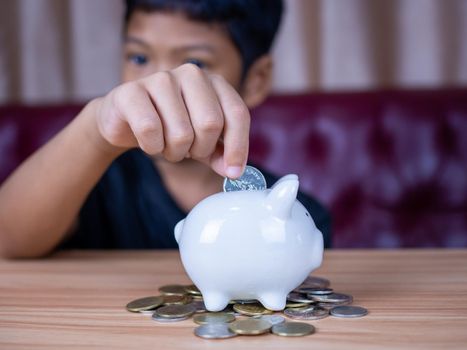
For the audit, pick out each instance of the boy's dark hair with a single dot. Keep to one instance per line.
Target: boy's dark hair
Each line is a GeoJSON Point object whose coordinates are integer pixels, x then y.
{"type": "Point", "coordinates": [251, 24]}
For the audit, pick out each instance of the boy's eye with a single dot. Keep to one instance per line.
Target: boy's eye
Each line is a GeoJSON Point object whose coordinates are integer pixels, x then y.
{"type": "Point", "coordinates": [196, 62]}
{"type": "Point", "coordinates": [138, 59]}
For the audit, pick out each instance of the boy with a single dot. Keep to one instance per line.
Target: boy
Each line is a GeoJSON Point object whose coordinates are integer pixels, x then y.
{"type": "Point", "coordinates": [192, 70]}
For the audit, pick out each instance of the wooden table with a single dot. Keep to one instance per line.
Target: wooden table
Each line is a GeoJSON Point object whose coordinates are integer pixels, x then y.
{"type": "Point", "coordinates": [417, 299]}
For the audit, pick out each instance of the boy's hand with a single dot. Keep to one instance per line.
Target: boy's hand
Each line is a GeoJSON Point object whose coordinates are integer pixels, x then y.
{"type": "Point", "coordinates": [179, 113]}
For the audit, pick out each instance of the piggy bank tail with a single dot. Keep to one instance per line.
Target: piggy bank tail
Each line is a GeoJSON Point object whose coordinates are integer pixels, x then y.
{"type": "Point", "coordinates": [178, 230]}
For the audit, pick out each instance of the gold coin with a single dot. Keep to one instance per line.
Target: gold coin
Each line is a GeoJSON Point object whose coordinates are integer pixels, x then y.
{"type": "Point", "coordinates": [176, 299]}
{"type": "Point", "coordinates": [214, 317]}
{"type": "Point", "coordinates": [144, 304]}
{"type": "Point", "coordinates": [293, 329]}
{"type": "Point", "coordinates": [294, 305]}
{"type": "Point", "coordinates": [176, 311]}
{"type": "Point", "coordinates": [251, 326]}
{"type": "Point", "coordinates": [192, 289]}
{"type": "Point", "coordinates": [172, 289]}
{"type": "Point", "coordinates": [251, 309]}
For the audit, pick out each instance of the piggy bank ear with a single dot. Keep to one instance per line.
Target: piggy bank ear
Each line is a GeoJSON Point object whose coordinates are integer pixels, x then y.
{"type": "Point", "coordinates": [282, 196]}
{"type": "Point", "coordinates": [285, 178]}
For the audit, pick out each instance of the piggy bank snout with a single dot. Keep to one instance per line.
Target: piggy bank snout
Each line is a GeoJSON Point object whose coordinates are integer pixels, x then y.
{"type": "Point", "coordinates": [178, 230]}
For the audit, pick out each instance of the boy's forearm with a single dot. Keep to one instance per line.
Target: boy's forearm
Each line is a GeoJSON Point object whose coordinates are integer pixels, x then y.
{"type": "Point", "coordinates": [41, 199]}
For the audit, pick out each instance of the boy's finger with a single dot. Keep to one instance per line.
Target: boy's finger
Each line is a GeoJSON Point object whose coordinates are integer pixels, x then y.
{"type": "Point", "coordinates": [216, 160]}
{"type": "Point", "coordinates": [204, 110]}
{"type": "Point", "coordinates": [236, 127]}
{"type": "Point", "coordinates": [135, 105]}
{"type": "Point", "coordinates": [177, 128]}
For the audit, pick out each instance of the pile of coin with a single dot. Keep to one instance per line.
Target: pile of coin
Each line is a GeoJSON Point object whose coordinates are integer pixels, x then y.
{"type": "Point", "coordinates": [312, 300]}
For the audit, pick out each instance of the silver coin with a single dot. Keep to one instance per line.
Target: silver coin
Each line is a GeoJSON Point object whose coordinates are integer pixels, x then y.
{"type": "Point", "coordinates": [273, 319]}
{"type": "Point", "coordinates": [328, 306]}
{"type": "Point", "coordinates": [299, 298]}
{"type": "Point", "coordinates": [214, 331]}
{"type": "Point", "coordinates": [316, 291]}
{"type": "Point", "coordinates": [147, 312]}
{"type": "Point", "coordinates": [336, 298]}
{"type": "Point", "coordinates": [317, 282]}
{"type": "Point", "coordinates": [252, 179]}
{"type": "Point", "coordinates": [158, 318]}
{"type": "Point", "coordinates": [348, 311]}
{"type": "Point", "coordinates": [199, 305]}
{"type": "Point", "coordinates": [306, 313]}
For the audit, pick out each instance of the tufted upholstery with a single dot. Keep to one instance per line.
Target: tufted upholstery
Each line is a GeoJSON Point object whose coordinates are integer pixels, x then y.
{"type": "Point", "coordinates": [24, 129]}
{"type": "Point", "coordinates": [391, 166]}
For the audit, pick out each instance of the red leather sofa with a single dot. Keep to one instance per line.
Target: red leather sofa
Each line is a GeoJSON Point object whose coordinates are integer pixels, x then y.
{"type": "Point", "coordinates": [390, 165]}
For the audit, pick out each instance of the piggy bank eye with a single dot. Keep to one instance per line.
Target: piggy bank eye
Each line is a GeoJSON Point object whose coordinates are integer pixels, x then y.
{"type": "Point", "coordinates": [306, 213]}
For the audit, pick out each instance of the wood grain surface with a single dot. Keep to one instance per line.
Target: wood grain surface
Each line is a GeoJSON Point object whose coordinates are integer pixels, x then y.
{"type": "Point", "coordinates": [417, 299]}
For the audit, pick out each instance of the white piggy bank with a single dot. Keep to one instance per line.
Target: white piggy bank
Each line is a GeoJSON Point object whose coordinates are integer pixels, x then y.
{"type": "Point", "coordinates": [250, 245]}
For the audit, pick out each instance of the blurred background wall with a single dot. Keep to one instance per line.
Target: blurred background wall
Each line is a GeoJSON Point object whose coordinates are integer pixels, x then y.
{"type": "Point", "coordinates": [69, 50]}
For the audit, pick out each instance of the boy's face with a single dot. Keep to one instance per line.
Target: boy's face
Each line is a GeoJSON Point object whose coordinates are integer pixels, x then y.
{"type": "Point", "coordinates": [158, 41]}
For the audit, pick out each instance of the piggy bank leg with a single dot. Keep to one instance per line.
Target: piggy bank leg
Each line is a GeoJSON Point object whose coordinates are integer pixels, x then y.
{"type": "Point", "coordinates": [273, 301]}
{"type": "Point", "coordinates": [215, 301]}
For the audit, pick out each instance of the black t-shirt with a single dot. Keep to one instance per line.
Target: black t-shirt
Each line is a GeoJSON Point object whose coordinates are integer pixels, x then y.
{"type": "Point", "coordinates": [130, 208]}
